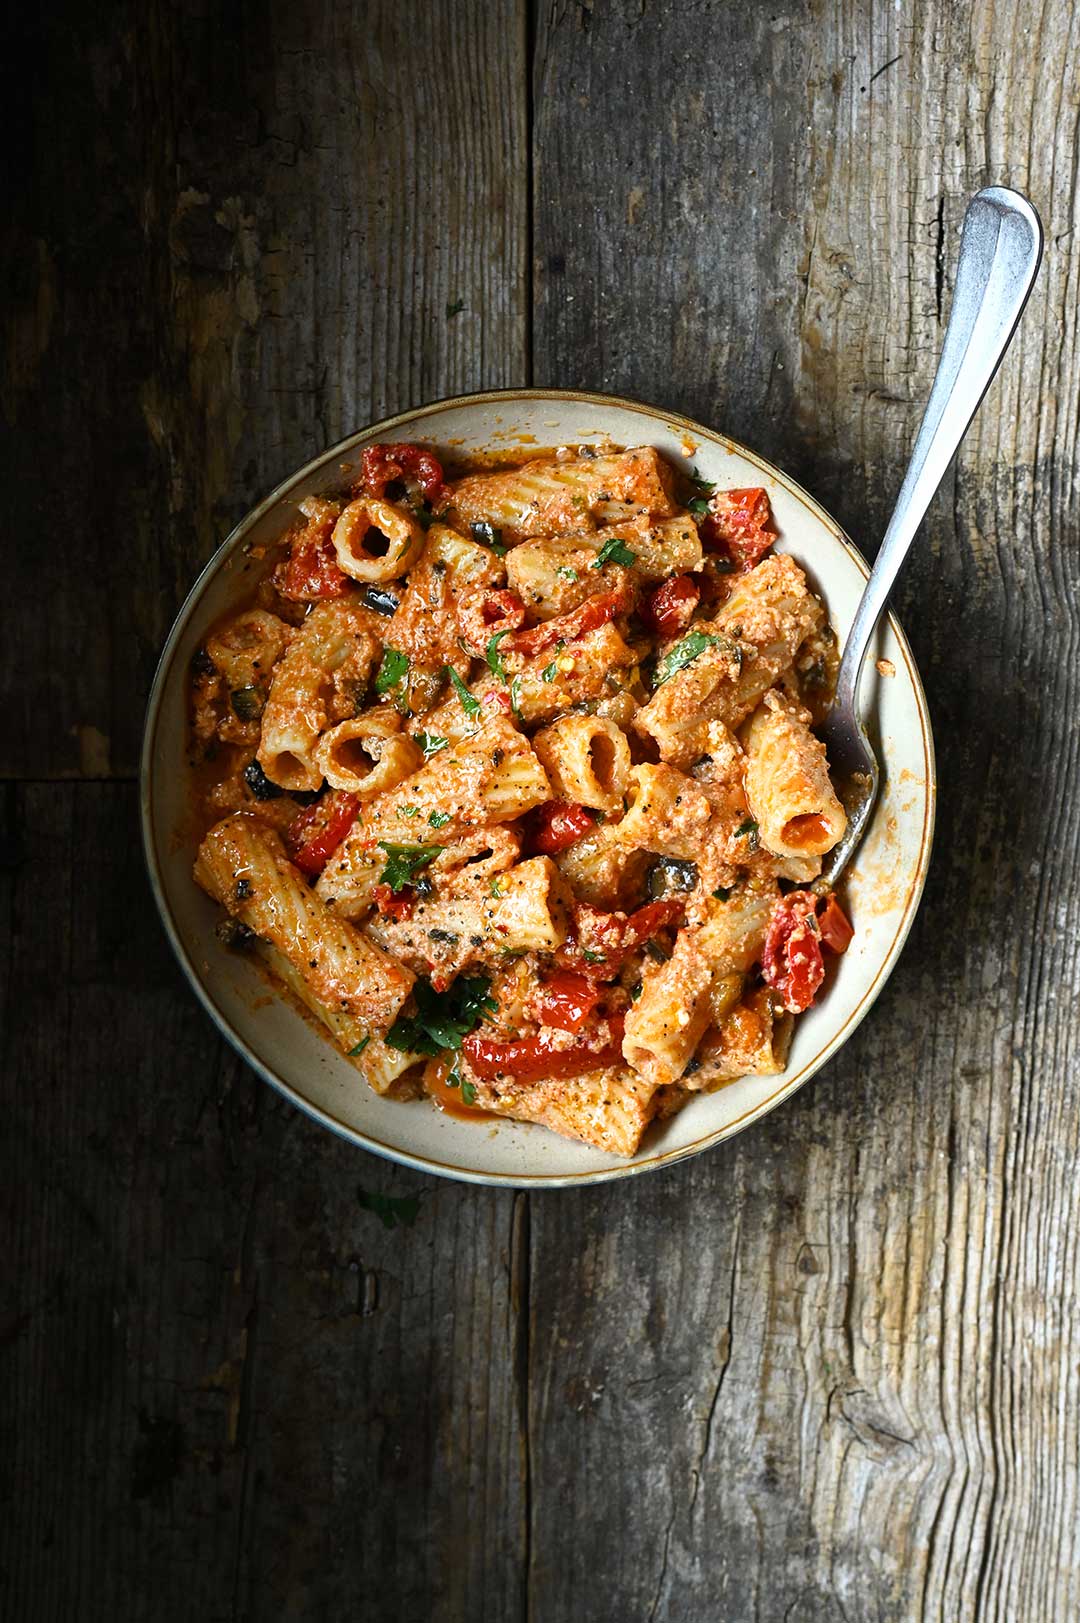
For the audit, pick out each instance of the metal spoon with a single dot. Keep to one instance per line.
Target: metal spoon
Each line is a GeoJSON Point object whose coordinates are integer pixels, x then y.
{"type": "Point", "coordinates": [1000, 250]}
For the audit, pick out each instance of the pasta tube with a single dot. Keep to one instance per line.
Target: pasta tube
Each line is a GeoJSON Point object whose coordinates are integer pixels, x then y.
{"type": "Point", "coordinates": [787, 784]}
{"type": "Point", "coordinates": [376, 541]}
{"type": "Point", "coordinates": [243, 865]}
{"type": "Point", "coordinates": [586, 759]}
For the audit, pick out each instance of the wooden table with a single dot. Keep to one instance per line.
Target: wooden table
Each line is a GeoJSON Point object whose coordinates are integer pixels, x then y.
{"type": "Point", "coordinates": [830, 1370]}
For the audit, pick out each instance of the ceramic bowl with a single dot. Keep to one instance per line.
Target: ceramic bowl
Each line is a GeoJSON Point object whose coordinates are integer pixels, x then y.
{"type": "Point", "coordinates": [883, 888]}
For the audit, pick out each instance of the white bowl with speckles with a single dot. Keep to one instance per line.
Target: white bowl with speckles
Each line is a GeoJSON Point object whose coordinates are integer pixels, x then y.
{"type": "Point", "coordinates": [883, 887]}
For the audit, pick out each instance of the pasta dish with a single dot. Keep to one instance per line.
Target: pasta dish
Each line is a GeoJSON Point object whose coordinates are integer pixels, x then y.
{"type": "Point", "coordinates": [510, 778]}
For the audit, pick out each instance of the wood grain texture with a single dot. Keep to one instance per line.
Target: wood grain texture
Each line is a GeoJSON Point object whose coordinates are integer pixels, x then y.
{"type": "Point", "coordinates": [829, 1371]}
{"type": "Point", "coordinates": [834, 1364]}
{"type": "Point", "coordinates": [232, 241]}
{"type": "Point", "coordinates": [229, 1390]}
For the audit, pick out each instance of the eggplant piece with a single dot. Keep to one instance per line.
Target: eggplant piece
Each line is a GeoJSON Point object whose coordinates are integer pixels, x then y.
{"type": "Point", "coordinates": [668, 876]}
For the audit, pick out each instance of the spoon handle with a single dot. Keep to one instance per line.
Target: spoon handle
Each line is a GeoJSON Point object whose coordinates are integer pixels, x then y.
{"type": "Point", "coordinates": [1000, 250]}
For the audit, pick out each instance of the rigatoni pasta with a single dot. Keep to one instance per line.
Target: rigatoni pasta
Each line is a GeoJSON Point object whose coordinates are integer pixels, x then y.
{"type": "Point", "coordinates": [521, 787]}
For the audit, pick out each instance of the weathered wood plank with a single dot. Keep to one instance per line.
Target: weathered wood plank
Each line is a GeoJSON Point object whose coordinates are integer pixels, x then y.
{"type": "Point", "coordinates": [229, 245]}
{"type": "Point", "coordinates": [832, 1367]}
{"type": "Point", "coordinates": [229, 1390]}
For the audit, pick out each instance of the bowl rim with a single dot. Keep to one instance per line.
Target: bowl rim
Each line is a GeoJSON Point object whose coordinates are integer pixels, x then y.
{"type": "Point", "coordinates": [423, 1163]}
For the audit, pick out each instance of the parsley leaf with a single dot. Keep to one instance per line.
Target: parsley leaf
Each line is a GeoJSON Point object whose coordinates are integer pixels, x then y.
{"type": "Point", "coordinates": [403, 863]}
{"type": "Point", "coordinates": [439, 819]}
{"type": "Point", "coordinates": [468, 1093]}
{"type": "Point", "coordinates": [614, 552]}
{"type": "Point", "coordinates": [488, 535]}
{"type": "Point", "coordinates": [566, 572]}
{"type": "Point", "coordinates": [721, 893]}
{"type": "Point", "coordinates": [494, 658]}
{"type": "Point", "coordinates": [699, 506]}
{"type": "Point", "coordinates": [361, 1045]}
{"type": "Point", "coordinates": [394, 666]}
{"type": "Point", "coordinates": [750, 829]}
{"type": "Point", "coordinates": [549, 672]}
{"type": "Point", "coordinates": [701, 484]}
{"type": "Point", "coordinates": [390, 1209]}
{"type": "Point", "coordinates": [592, 957]}
{"type": "Point", "coordinates": [683, 654]}
{"type": "Point", "coordinates": [442, 1019]}
{"type": "Point", "coordinates": [431, 743]}
{"type": "Point", "coordinates": [495, 889]}
{"type": "Point", "coordinates": [469, 703]}
{"type": "Point", "coordinates": [515, 696]}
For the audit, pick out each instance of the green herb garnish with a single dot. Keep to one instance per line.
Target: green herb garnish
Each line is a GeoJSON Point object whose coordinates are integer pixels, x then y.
{"type": "Point", "coordinates": [442, 1019]}
{"type": "Point", "coordinates": [700, 483]}
{"type": "Point", "coordinates": [361, 1045]}
{"type": "Point", "coordinates": [549, 672]}
{"type": "Point", "coordinates": [614, 552]}
{"type": "Point", "coordinates": [439, 819]}
{"type": "Point", "coordinates": [515, 696]}
{"type": "Point", "coordinates": [495, 889]}
{"type": "Point", "coordinates": [469, 703]}
{"type": "Point", "coordinates": [566, 572]}
{"type": "Point", "coordinates": [494, 658]}
{"type": "Point", "coordinates": [592, 957]}
{"type": "Point", "coordinates": [683, 654]}
{"type": "Point", "coordinates": [468, 1093]}
{"type": "Point", "coordinates": [430, 743]}
{"type": "Point", "coordinates": [748, 827]}
{"type": "Point", "coordinates": [699, 506]}
{"type": "Point", "coordinates": [393, 668]}
{"type": "Point", "coordinates": [391, 1209]}
{"type": "Point", "coordinates": [404, 862]}
{"type": "Point", "coordinates": [721, 894]}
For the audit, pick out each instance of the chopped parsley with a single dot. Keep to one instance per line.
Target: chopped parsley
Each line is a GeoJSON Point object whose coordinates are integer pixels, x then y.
{"type": "Point", "coordinates": [361, 1045]}
{"type": "Point", "coordinates": [549, 672]}
{"type": "Point", "coordinates": [721, 894]}
{"type": "Point", "coordinates": [635, 991]}
{"type": "Point", "coordinates": [403, 863]}
{"type": "Point", "coordinates": [592, 957]}
{"type": "Point", "coordinates": [496, 889]}
{"type": "Point", "coordinates": [442, 1019]}
{"type": "Point", "coordinates": [683, 654]}
{"type": "Point", "coordinates": [566, 573]}
{"type": "Point", "coordinates": [494, 658]}
{"type": "Point", "coordinates": [390, 1209]}
{"type": "Point", "coordinates": [469, 703]}
{"type": "Point", "coordinates": [393, 668]}
{"type": "Point", "coordinates": [431, 743]}
{"type": "Point", "coordinates": [699, 506]}
{"type": "Point", "coordinates": [704, 485]}
{"type": "Point", "coordinates": [488, 535]}
{"type": "Point", "coordinates": [439, 819]}
{"type": "Point", "coordinates": [515, 696]}
{"type": "Point", "coordinates": [468, 1093]}
{"type": "Point", "coordinates": [614, 552]}
{"type": "Point", "coordinates": [749, 830]}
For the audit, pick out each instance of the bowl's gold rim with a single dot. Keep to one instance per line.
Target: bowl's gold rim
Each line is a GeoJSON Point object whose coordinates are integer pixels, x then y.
{"type": "Point", "coordinates": [523, 1180]}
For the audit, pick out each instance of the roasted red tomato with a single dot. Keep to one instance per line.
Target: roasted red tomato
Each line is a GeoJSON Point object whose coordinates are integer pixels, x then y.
{"type": "Point", "coordinates": [670, 608]}
{"type": "Point", "coordinates": [566, 1001]}
{"type": "Point", "coordinates": [595, 611]}
{"type": "Point", "coordinates": [602, 940]}
{"type": "Point", "coordinates": [557, 825]}
{"type": "Point", "coordinates": [739, 524]}
{"type": "Point", "coordinates": [311, 571]}
{"type": "Point", "coordinates": [538, 1059]}
{"type": "Point", "coordinates": [483, 613]}
{"type": "Point", "coordinates": [381, 465]}
{"type": "Point", "coordinates": [391, 906]}
{"type": "Point", "coordinates": [315, 835]}
{"type": "Point", "coordinates": [791, 960]}
{"type": "Point", "coordinates": [835, 926]}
